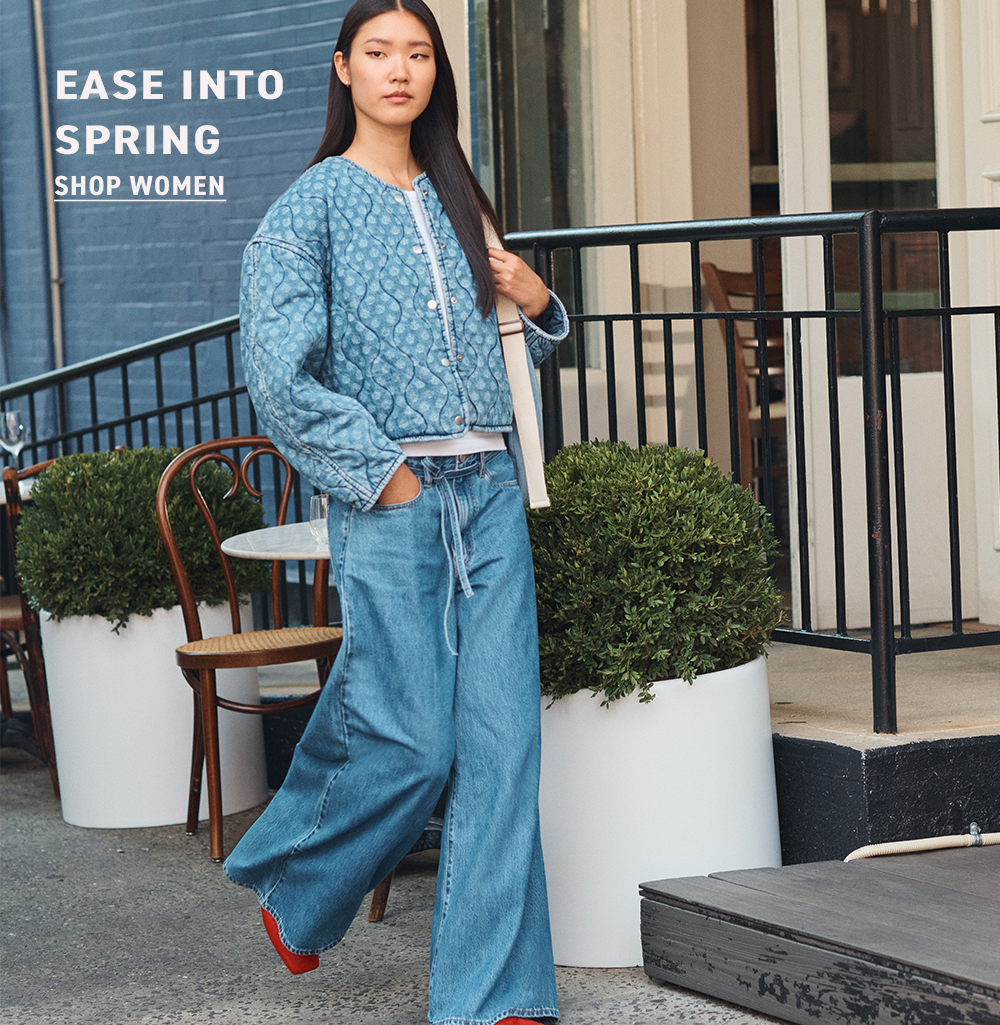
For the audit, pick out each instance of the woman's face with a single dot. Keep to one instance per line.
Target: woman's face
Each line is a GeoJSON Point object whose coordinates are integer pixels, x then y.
{"type": "Point", "coordinates": [390, 71]}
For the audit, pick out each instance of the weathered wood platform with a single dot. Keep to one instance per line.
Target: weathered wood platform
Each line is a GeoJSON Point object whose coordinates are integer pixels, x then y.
{"type": "Point", "coordinates": [906, 939]}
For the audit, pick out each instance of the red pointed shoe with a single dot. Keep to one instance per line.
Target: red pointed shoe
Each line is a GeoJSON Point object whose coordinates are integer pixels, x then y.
{"type": "Point", "coordinates": [517, 1021]}
{"type": "Point", "coordinates": [295, 963]}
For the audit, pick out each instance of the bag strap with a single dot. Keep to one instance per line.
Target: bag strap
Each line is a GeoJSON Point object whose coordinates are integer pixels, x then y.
{"type": "Point", "coordinates": [518, 363]}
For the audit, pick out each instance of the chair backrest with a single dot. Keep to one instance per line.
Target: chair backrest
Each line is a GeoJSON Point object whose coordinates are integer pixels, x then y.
{"type": "Point", "coordinates": [12, 480]}
{"type": "Point", "coordinates": [736, 292]}
{"type": "Point", "coordinates": [253, 465]}
{"type": "Point", "coordinates": [718, 283]}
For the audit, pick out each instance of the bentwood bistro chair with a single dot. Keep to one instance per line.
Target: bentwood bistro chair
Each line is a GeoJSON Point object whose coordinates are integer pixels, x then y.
{"type": "Point", "coordinates": [736, 292]}
{"type": "Point", "coordinates": [20, 633]}
{"type": "Point", "coordinates": [201, 656]}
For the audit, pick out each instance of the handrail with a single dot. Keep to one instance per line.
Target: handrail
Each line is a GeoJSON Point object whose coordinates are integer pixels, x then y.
{"type": "Point", "coordinates": [112, 360]}
{"type": "Point", "coordinates": [780, 225]}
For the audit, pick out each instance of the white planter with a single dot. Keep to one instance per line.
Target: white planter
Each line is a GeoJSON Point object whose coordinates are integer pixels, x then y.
{"type": "Point", "coordinates": [122, 721]}
{"type": "Point", "coordinates": [681, 786]}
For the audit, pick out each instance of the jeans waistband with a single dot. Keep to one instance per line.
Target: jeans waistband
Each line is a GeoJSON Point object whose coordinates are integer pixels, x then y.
{"type": "Point", "coordinates": [434, 468]}
{"type": "Point", "coordinates": [441, 473]}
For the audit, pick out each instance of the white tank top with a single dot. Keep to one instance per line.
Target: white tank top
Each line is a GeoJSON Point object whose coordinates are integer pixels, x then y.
{"type": "Point", "coordinates": [471, 441]}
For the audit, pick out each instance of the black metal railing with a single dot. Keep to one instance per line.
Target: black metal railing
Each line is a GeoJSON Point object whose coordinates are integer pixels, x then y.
{"type": "Point", "coordinates": [152, 394]}
{"type": "Point", "coordinates": [173, 391]}
{"type": "Point", "coordinates": [881, 409]}
{"type": "Point", "coordinates": [177, 390]}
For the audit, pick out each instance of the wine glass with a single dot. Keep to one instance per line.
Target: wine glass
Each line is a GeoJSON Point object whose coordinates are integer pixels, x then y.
{"type": "Point", "coordinates": [13, 433]}
{"type": "Point", "coordinates": [319, 506]}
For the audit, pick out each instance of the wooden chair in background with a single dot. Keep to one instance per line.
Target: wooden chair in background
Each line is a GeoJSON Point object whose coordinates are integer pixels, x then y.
{"type": "Point", "coordinates": [200, 657]}
{"type": "Point", "coordinates": [21, 634]}
{"type": "Point", "coordinates": [736, 292]}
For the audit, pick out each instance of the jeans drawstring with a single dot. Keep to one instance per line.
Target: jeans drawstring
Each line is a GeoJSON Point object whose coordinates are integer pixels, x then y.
{"type": "Point", "coordinates": [435, 475]}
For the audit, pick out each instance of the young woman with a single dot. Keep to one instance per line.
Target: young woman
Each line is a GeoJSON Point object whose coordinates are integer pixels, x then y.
{"type": "Point", "coordinates": [371, 351]}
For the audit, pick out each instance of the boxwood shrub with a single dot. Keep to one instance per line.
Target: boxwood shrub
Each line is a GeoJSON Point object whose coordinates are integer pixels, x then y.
{"type": "Point", "coordinates": [650, 564]}
{"type": "Point", "coordinates": [88, 544]}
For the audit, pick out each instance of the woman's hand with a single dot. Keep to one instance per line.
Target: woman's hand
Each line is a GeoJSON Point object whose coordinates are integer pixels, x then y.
{"type": "Point", "coordinates": [517, 281]}
{"type": "Point", "coordinates": [403, 485]}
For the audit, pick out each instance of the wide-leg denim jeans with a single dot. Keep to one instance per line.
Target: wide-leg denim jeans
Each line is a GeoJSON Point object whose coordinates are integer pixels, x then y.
{"type": "Point", "coordinates": [436, 683]}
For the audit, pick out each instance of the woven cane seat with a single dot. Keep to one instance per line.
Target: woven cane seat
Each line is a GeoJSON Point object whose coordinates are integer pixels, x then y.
{"type": "Point", "coordinates": [248, 460]}
{"type": "Point", "coordinates": [259, 647]}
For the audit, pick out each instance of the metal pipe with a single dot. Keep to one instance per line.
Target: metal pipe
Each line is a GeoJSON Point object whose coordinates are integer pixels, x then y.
{"type": "Point", "coordinates": [950, 439]}
{"type": "Point", "coordinates": [52, 228]}
{"type": "Point", "coordinates": [763, 379]}
{"type": "Point", "coordinates": [799, 420]}
{"type": "Point", "coordinates": [836, 462]}
{"type": "Point", "coordinates": [899, 471]}
{"type": "Point", "coordinates": [612, 377]}
{"type": "Point", "coordinates": [637, 353]}
{"type": "Point", "coordinates": [550, 383]}
{"type": "Point", "coordinates": [733, 384]}
{"type": "Point", "coordinates": [876, 429]}
{"type": "Point", "coordinates": [579, 339]}
{"type": "Point", "coordinates": [699, 348]}
{"type": "Point", "coordinates": [668, 381]}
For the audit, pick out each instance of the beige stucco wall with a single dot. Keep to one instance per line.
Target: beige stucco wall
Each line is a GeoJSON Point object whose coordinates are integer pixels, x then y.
{"type": "Point", "coordinates": [692, 163]}
{"type": "Point", "coordinates": [452, 16]}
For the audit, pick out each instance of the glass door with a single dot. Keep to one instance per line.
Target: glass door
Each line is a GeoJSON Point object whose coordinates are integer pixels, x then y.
{"type": "Point", "coordinates": [882, 152]}
{"type": "Point", "coordinates": [532, 80]}
{"type": "Point", "coordinates": [533, 140]}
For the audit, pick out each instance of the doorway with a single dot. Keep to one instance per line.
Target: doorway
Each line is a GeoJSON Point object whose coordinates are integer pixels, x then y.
{"type": "Point", "coordinates": [882, 153]}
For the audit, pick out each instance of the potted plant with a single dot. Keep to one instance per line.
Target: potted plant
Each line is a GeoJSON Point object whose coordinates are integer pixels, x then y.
{"type": "Point", "coordinates": [91, 560]}
{"type": "Point", "coordinates": [654, 608]}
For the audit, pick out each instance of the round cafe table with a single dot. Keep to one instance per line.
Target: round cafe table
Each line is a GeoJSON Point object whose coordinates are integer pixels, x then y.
{"type": "Point", "coordinates": [292, 541]}
{"type": "Point", "coordinates": [289, 542]}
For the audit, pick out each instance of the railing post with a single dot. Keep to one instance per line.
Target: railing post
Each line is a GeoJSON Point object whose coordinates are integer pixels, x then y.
{"type": "Point", "coordinates": [637, 347]}
{"type": "Point", "coordinates": [876, 432]}
{"type": "Point", "coordinates": [550, 383]}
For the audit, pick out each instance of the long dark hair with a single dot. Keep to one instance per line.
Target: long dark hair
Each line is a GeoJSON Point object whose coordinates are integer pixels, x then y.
{"type": "Point", "coordinates": [433, 140]}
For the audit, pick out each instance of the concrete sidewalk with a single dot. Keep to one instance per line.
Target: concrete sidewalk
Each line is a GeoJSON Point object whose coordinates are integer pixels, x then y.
{"type": "Point", "coordinates": [107, 927]}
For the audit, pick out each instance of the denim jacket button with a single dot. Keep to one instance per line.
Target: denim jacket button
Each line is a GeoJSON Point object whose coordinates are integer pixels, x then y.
{"type": "Point", "coordinates": [418, 250]}
{"type": "Point", "coordinates": [398, 198]}
{"type": "Point", "coordinates": [432, 304]}
{"type": "Point", "coordinates": [460, 420]}
{"type": "Point", "coordinates": [446, 362]}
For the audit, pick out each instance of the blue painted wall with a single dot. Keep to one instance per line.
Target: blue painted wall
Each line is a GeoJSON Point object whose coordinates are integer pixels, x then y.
{"type": "Point", "coordinates": [136, 271]}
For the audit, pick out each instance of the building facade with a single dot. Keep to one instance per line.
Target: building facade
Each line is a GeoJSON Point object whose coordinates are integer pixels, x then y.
{"type": "Point", "coordinates": [574, 112]}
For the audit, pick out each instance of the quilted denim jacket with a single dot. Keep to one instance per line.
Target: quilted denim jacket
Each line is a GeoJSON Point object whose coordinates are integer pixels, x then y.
{"type": "Point", "coordinates": [344, 345]}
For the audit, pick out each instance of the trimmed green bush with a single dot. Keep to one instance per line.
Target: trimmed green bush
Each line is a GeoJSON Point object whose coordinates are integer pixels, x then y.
{"type": "Point", "coordinates": [649, 565]}
{"type": "Point", "coordinates": [88, 544]}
